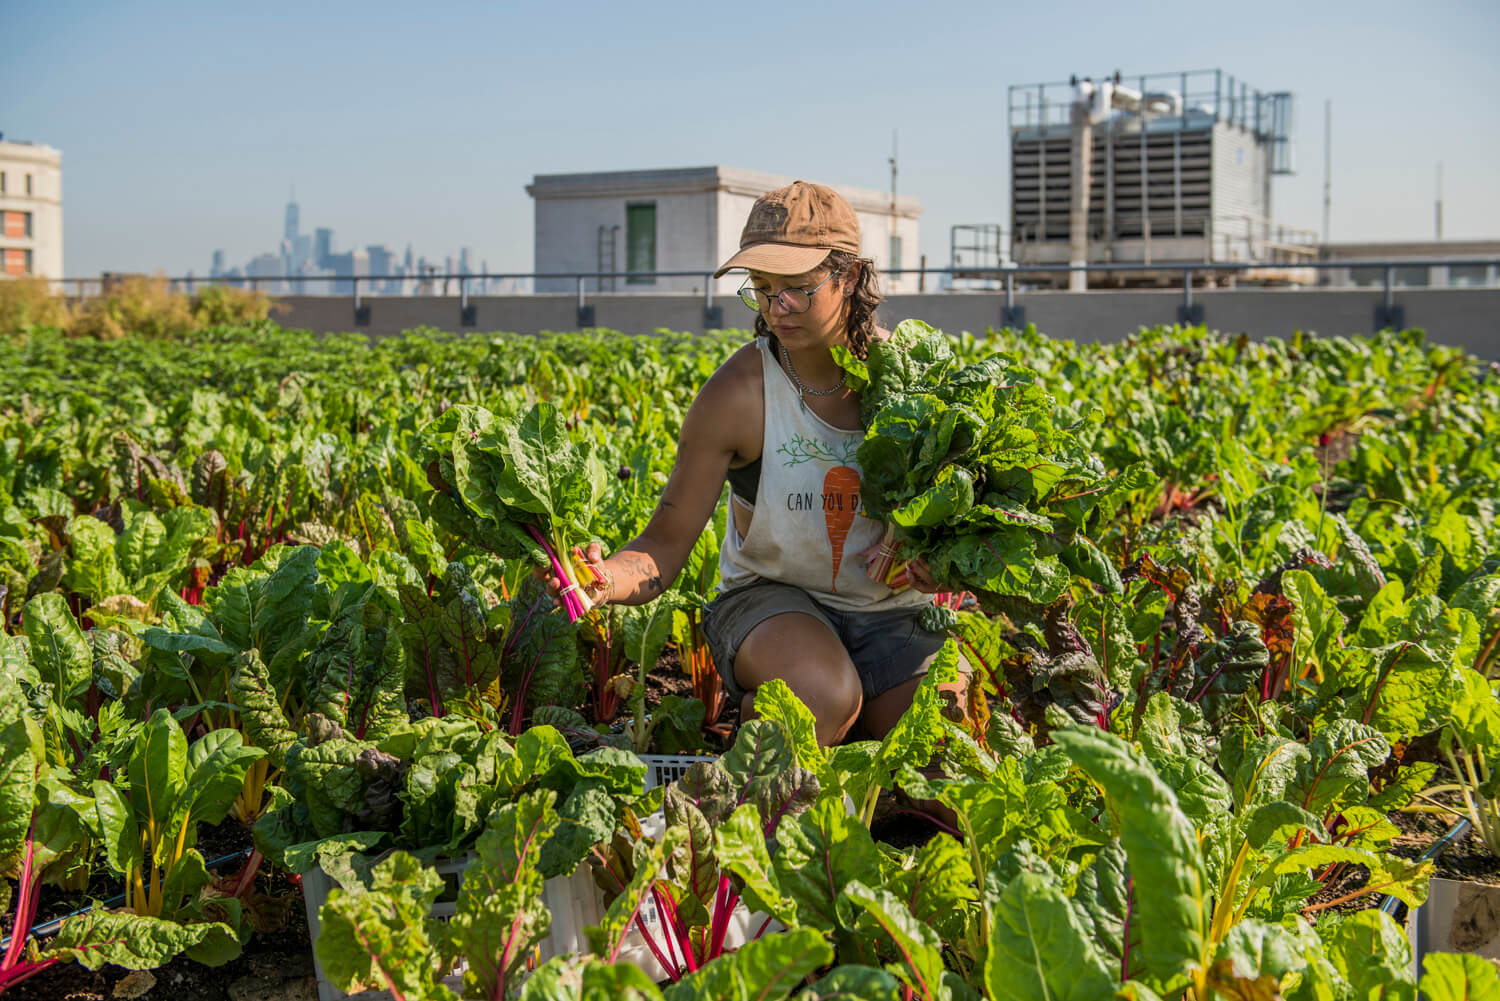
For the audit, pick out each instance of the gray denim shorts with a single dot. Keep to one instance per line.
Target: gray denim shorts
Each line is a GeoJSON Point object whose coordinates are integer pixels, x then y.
{"type": "Point", "coordinates": [887, 648]}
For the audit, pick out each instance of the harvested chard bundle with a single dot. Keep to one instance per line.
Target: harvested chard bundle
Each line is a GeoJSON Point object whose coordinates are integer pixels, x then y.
{"type": "Point", "coordinates": [885, 564]}
{"type": "Point", "coordinates": [973, 473]}
{"type": "Point", "coordinates": [518, 486]}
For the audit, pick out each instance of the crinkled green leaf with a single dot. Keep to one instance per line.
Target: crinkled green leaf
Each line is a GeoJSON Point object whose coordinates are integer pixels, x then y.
{"type": "Point", "coordinates": [1337, 771]}
{"type": "Point", "coordinates": [382, 939]}
{"type": "Point", "coordinates": [775, 701]}
{"type": "Point", "coordinates": [1253, 960]}
{"type": "Point", "coordinates": [608, 936]}
{"type": "Point", "coordinates": [854, 983]}
{"type": "Point", "coordinates": [919, 947]}
{"type": "Point", "coordinates": [1459, 977]}
{"type": "Point", "coordinates": [1371, 952]}
{"type": "Point", "coordinates": [1161, 845]}
{"type": "Point", "coordinates": [261, 714]}
{"type": "Point", "coordinates": [500, 915]}
{"type": "Point", "coordinates": [1038, 949]}
{"type": "Point", "coordinates": [740, 847]}
{"type": "Point", "coordinates": [1105, 898]}
{"type": "Point", "coordinates": [938, 886]}
{"type": "Point", "coordinates": [133, 941]}
{"type": "Point", "coordinates": [767, 969]}
{"type": "Point", "coordinates": [913, 740]}
{"type": "Point", "coordinates": [59, 650]}
{"type": "Point", "coordinates": [822, 851]}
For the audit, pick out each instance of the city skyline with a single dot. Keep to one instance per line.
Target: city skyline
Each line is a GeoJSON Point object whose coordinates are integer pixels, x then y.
{"type": "Point", "coordinates": [305, 262]}
{"type": "Point", "coordinates": [431, 128]}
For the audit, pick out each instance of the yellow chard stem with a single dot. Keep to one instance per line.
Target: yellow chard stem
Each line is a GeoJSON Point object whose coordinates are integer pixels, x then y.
{"type": "Point", "coordinates": [180, 847]}
{"type": "Point", "coordinates": [1224, 905]}
{"type": "Point", "coordinates": [138, 900]}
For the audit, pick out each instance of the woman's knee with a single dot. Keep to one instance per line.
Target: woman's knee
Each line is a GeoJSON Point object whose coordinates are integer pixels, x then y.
{"type": "Point", "coordinates": [805, 654]}
{"type": "Point", "coordinates": [835, 700]}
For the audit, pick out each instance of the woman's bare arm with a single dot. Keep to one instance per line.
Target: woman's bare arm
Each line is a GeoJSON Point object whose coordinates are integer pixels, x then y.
{"type": "Point", "coordinates": [713, 432]}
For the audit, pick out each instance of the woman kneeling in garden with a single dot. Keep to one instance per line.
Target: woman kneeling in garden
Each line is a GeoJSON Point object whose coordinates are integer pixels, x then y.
{"type": "Point", "coordinates": [780, 422]}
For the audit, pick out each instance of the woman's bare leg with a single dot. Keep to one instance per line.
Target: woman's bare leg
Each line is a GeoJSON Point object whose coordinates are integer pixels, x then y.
{"type": "Point", "coordinates": [882, 712]}
{"type": "Point", "coordinates": [885, 710]}
{"type": "Point", "coordinates": [802, 651]}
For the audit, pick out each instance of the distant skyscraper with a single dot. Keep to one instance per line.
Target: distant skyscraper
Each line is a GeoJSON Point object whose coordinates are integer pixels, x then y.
{"type": "Point", "coordinates": [410, 265]}
{"type": "Point", "coordinates": [382, 262]}
{"type": "Point", "coordinates": [265, 266]}
{"type": "Point", "coordinates": [322, 247]}
{"type": "Point", "coordinates": [290, 235]}
{"type": "Point", "coordinates": [218, 265]}
{"type": "Point", "coordinates": [463, 260]}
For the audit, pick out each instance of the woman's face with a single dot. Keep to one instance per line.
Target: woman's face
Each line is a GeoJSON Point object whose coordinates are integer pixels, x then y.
{"type": "Point", "coordinates": [824, 320]}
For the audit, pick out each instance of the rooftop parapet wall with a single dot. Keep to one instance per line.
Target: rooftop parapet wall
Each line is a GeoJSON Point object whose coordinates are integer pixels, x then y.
{"type": "Point", "coordinates": [1466, 318]}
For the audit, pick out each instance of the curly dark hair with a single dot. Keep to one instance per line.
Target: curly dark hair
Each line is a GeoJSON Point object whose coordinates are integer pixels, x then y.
{"type": "Point", "coordinates": [860, 326]}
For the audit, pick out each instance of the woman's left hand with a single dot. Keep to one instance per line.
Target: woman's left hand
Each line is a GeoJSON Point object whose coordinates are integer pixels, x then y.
{"type": "Point", "coordinates": [921, 577]}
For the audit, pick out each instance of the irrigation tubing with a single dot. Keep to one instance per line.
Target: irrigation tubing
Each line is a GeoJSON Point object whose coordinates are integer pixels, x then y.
{"type": "Point", "coordinates": [51, 927]}
{"type": "Point", "coordinates": [1390, 905]}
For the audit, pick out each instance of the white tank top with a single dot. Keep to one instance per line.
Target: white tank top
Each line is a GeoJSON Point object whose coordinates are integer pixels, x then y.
{"type": "Point", "coordinates": [808, 527]}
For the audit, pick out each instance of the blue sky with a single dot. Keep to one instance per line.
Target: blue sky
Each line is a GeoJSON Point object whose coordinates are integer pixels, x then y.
{"type": "Point", "coordinates": [182, 126]}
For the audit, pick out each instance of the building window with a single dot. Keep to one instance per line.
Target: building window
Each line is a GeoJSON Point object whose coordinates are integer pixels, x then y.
{"type": "Point", "coordinates": [1468, 274]}
{"type": "Point", "coordinates": [15, 262]}
{"type": "Point", "coordinates": [2, 182]}
{"type": "Point", "coordinates": [895, 261]}
{"type": "Point", "coordinates": [28, 184]}
{"type": "Point", "coordinates": [15, 225]}
{"type": "Point", "coordinates": [640, 243]}
{"type": "Point", "coordinates": [1410, 277]}
{"type": "Point", "coordinates": [27, 216]}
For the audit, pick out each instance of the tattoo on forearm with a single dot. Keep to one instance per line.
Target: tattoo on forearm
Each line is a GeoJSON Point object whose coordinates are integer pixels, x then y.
{"type": "Point", "coordinates": [637, 573]}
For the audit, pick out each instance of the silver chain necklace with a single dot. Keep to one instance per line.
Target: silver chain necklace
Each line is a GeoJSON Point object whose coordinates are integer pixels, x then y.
{"type": "Point", "coordinates": [843, 378]}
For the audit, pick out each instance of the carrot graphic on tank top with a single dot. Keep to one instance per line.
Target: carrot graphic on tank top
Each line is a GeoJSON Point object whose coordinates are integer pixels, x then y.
{"type": "Point", "coordinates": [840, 499]}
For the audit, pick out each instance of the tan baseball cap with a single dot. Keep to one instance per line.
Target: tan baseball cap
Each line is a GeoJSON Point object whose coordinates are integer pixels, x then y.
{"type": "Point", "coordinates": [792, 229]}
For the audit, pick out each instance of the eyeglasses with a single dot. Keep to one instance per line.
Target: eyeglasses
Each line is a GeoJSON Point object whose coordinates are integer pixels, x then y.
{"type": "Point", "coordinates": [793, 300]}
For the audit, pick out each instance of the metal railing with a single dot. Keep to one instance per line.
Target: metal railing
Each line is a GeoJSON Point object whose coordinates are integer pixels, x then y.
{"type": "Point", "coordinates": [1387, 312]}
{"type": "Point", "coordinates": [1208, 95]}
{"type": "Point", "coordinates": [1229, 237]}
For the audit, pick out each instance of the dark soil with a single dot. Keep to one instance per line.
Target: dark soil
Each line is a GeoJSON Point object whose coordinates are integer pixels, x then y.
{"type": "Point", "coordinates": [1465, 858]}
{"type": "Point", "coordinates": [1344, 883]}
{"type": "Point", "coordinates": [671, 678]}
{"type": "Point", "coordinates": [903, 828]}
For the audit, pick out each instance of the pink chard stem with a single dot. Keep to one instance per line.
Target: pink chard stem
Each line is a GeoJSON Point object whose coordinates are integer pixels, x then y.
{"type": "Point", "coordinates": [570, 600]}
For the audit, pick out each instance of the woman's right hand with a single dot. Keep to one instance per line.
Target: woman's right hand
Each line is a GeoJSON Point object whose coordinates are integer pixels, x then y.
{"type": "Point", "coordinates": [598, 593]}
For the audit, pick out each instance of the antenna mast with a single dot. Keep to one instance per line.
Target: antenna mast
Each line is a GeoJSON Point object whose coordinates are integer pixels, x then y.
{"type": "Point", "coordinates": [1439, 206]}
{"type": "Point", "coordinates": [895, 242]}
{"type": "Point", "coordinates": [893, 173]}
{"type": "Point", "coordinates": [1327, 165]}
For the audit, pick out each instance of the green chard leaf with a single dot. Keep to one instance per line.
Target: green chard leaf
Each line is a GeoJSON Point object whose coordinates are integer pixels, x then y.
{"type": "Point", "coordinates": [1162, 847]}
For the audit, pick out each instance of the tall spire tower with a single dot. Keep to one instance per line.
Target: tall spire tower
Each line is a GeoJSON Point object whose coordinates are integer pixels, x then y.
{"type": "Point", "coordinates": [291, 218]}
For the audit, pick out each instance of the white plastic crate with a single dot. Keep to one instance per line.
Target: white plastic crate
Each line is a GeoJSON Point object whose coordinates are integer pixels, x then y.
{"type": "Point", "coordinates": [663, 769]}
{"type": "Point", "coordinates": [573, 902]}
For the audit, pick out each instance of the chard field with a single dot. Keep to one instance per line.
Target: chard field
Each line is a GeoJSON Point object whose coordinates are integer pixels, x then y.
{"type": "Point", "coordinates": [1230, 611]}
